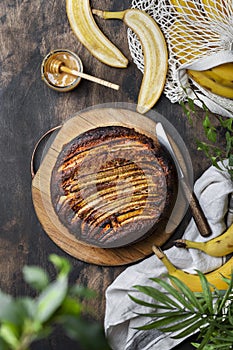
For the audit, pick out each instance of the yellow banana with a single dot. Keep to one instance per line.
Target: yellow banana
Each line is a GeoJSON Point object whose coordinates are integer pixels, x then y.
{"type": "Point", "coordinates": [210, 73]}
{"type": "Point", "coordinates": [224, 71]}
{"type": "Point", "coordinates": [210, 84]}
{"type": "Point", "coordinates": [187, 8]}
{"type": "Point", "coordinates": [218, 79]}
{"type": "Point", "coordinates": [180, 35]}
{"type": "Point", "coordinates": [85, 28]}
{"type": "Point", "coordinates": [214, 9]}
{"type": "Point", "coordinates": [154, 50]}
{"type": "Point", "coordinates": [193, 281]}
{"type": "Point", "coordinates": [219, 246]}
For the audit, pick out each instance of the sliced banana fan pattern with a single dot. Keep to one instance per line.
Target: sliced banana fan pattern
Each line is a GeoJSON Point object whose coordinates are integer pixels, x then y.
{"type": "Point", "coordinates": [193, 29]}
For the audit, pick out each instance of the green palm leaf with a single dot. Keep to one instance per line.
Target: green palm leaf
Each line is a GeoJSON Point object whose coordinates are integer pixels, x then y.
{"type": "Point", "coordinates": [188, 293]}
{"type": "Point", "coordinates": [193, 320]}
{"type": "Point", "coordinates": [166, 314]}
{"type": "Point", "coordinates": [193, 328]}
{"type": "Point", "coordinates": [227, 294]}
{"type": "Point", "coordinates": [158, 296]}
{"type": "Point", "coordinates": [159, 324]}
{"type": "Point", "coordinates": [174, 292]}
{"type": "Point", "coordinates": [151, 305]}
{"type": "Point", "coordinates": [184, 312]}
{"type": "Point", "coordinates": [206, 292]}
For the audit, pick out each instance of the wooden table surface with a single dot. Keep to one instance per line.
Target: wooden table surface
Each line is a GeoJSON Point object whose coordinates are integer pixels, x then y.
{"type": "Point", "coordinates": [29, 30]}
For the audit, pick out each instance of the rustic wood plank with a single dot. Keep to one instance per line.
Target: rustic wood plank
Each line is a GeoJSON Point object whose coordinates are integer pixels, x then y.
{"type": "Point", "coordinates": [29, 30]}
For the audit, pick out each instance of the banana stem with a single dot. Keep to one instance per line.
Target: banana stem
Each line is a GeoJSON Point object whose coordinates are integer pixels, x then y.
{"type": "Point", "coordinates": [161, 256]}
{"type": "Point", "coordinates": [109, 14]}
{"type": "Point", "coordinates": [184, 243]}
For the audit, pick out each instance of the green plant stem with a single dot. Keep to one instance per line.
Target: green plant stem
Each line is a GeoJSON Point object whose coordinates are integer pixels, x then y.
{"type": "Point", "coordinates": [211, 151]}
{"type": "Point", "coordinates": [26, 340]}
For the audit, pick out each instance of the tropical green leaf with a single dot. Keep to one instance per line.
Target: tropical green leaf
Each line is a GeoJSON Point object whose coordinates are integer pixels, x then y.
{"type": "Point", "coordinates": [36, 277]}
{"type": "Point", "coordinates": [206, 291]}
{"type": "Point", "coordinates": [90, 334]}
{"type": "Point", "coordinates": [230, 159]}
{"type": "Point", "coordinates": [70, 307]}
{"type": "Point", "coordinates": [175, 293]}
{"type": "Point", "coordinates": [224, 346]}
{"type": "Point", "coordinates": [11, 310]}
{"type": "Point", "coordinates": [165, 314]}
{"type": "Point", "coordinates": [193, 328]}
{"type": "Point", "coordinates": [206, 336]}
{"type": "Point", "coordinates": [207, 347]}
{"type": "Point", "coordinates": [51, 299]}
{"type": "Point", "coordinates": [151, 305]}
{"type": "Point", "coordinates": [229, 142]}
{"type": "Point", "coordinates": [162, 322]}
{"type": "Point", "coordinates": [180, 326]}
{"type": "Point", "coordinates": [227, 294]}
{"type": "Point", "coordinates": [158, 296]}
{"type": "Point", "coordinates": [62, 264]}
{"type": "Point", "coordinates": [230, 315]}
{"type": "Point", "coordinates": [3, 344]}
{"type": "Point", "coordinates": [187, 112]}
{"type": "Point", "coordinates": [224, 339]}
{"type": "Point", "coordinates": [10, 334]}
{"type": "Point", "coordinates": [82, 292]}
{"type": "Point", "coordinates": [187, 292]}
{"type": "Point", "coordinates": [226, 123]}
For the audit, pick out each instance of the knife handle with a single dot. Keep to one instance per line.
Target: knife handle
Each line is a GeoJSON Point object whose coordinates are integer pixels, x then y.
{"type": "Point", "coordinates": [197, 212]}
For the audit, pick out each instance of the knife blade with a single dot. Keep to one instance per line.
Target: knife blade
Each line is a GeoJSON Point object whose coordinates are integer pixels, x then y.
{"type": "Point", "coordinates": [197, 211]}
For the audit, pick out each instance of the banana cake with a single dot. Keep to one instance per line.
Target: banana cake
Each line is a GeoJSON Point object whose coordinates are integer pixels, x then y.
{"type": "Point", "coordinates": [112, 185]}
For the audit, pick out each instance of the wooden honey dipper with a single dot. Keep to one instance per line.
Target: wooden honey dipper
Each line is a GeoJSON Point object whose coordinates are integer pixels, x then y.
{"type": "Point", "coordinates": [56, 66]}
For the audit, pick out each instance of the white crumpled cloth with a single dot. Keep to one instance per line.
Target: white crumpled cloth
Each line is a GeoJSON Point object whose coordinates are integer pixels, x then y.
{"type": "Point", "coordinates": [212, 189]}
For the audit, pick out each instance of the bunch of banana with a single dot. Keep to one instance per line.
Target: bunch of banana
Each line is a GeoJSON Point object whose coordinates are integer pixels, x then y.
{"type": "Point", "coordinates": [219, 246]}
{"type": "Point", "coordinates": [154, 50]}
{"type": "Point", "coordinates": [193, 281]}
{"type": "Point", "coordinates": [214, 9]}
{"type": "Point", "coordinates": [187, 8]}
{"type": "Point", "coordinates": [224, 71]}
{"type": "Point", "coordinates": [180, 35]}
{"type": "Point", "coordinates": [85, 28]}
{"type": "Point", "coordinates": [219, 79]}
{"type": "Point", "coordinates": [212, 82]}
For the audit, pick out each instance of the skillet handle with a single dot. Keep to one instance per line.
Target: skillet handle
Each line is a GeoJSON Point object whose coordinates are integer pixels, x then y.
{"type": "Point", "coordinates": [33, 172]}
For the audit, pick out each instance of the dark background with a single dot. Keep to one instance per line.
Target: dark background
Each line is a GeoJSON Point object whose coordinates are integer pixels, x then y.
{"type": "Point", "coordinates": [29, 30]}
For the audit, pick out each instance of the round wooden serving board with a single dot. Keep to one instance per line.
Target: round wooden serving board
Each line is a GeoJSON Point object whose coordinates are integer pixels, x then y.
{"type": "Point", "coordinates": [49, 220]}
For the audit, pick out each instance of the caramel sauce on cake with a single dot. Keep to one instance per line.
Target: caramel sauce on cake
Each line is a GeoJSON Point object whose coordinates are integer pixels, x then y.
{"type": "Point", "coordinates": [112, 186]}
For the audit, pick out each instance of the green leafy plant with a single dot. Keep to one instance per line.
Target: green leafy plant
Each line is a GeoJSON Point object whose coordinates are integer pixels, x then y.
{"type": "Point", "coordinates": [177, 310]}
{"type": "Point", "coordinates": [23, 320]}
{"type": "Point", "coordinates": [224, 126]}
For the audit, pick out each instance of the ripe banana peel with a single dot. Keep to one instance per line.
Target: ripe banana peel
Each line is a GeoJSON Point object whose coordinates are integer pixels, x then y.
{"type": "Point", "coordinates": [154, 50]}
{"type": "Point", "coordinates": [186, 7]}
{"type": "Point", "coordinates": [180, 36]}
{"type": "Point", "coordinates": [224, 71]}
{"type": "Point", "coordinates": [193, 281]}
{"type": "Point", "coordinates": [219, 79]}
{"type": "Point", "coordinates": [219, 246]}
{"type": "Point", "coordinates": [89, 34]}
{"type": "Point", "coordinates": [207, 81]}
{"type": "Point", "coordinates": [214, 9]}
